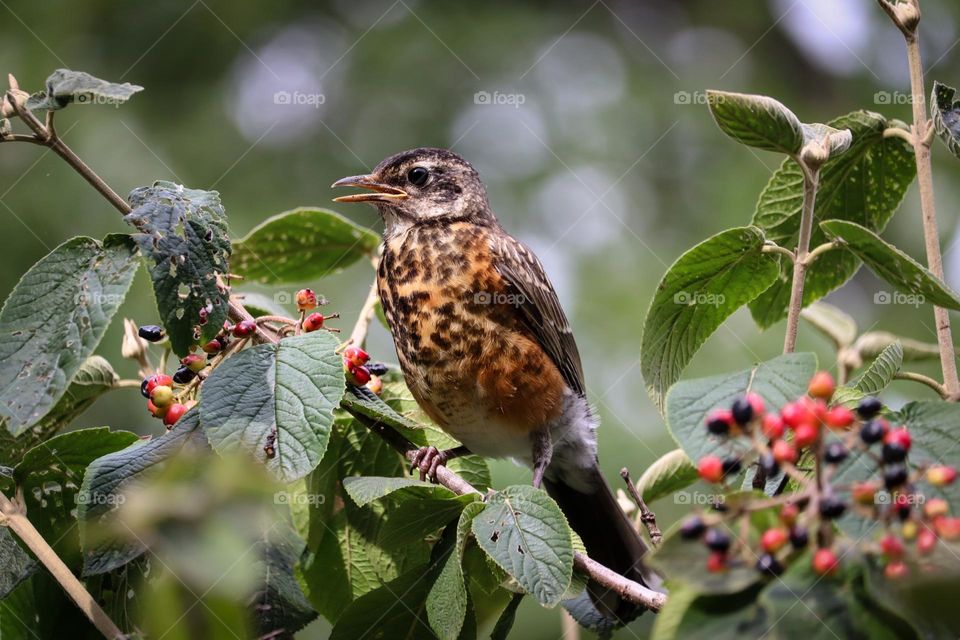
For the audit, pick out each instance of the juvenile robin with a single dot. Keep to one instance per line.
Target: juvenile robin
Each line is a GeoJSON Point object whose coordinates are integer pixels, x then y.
{"type": "Point", "coordinates": [486, 349]}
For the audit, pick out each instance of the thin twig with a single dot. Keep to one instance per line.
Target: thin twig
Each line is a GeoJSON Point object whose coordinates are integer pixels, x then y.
{"type": "Point", "coordinates": [647, 517]}
{"type": "Point", "coordinates": [13, 515]}
{"type": "Point", "coordinates": [811, 179]}
{"type": "Point", "coordinates": [922, 379]}
{"type": "Point", "coordinates": [359, 333]}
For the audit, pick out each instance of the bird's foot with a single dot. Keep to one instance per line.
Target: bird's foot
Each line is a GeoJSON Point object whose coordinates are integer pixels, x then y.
{"type": "Point", "coordinates": [427, 460]}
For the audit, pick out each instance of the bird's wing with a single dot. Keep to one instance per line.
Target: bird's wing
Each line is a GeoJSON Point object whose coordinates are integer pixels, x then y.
{"type": "Point", "coordinates": [539, 306]}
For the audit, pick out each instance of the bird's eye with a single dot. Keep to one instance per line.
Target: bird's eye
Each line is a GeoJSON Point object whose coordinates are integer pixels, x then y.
{"type": "Point", "coordinates": [418, 176]}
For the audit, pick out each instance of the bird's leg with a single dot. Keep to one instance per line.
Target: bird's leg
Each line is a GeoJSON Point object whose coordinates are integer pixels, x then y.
{"type": "Point", "coordinates": [542, 453]}
{"type": "Point", "coordinates": [429, 459]}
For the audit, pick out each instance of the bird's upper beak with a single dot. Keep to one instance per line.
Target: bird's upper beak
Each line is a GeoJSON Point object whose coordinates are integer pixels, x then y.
{"type": "Point", "coordinates": [381, 192]}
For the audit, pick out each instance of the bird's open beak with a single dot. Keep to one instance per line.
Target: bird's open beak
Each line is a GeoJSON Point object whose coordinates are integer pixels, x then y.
{"type": "Point", "coordinates": [381, 192]}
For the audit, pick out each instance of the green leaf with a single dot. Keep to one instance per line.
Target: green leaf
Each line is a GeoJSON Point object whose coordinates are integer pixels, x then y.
{"type": "Point", "coordinates": [756, 121]}
{"type": "Point", "coordinates": [881, 371]}
{"type": "Point", "coordinates": [183, 233]}
{"type": "Point", "coordinates": [65, 87]}
{"type": "Point", "coordinates": [932, 425]}
{"type": "Point", "coordinates": [279, 603]}
{"type": "Point", "coordinates": [447, 599]}
{"type": "Point", "coordinates": [523, 530]}
{"type": "Point", "coordinates": [366, 490]}
{"type": "Point", "coordinates": [945, 111]}
{"type": "Point", "coordinates": [777, 381]}
{"type": "Point", "coordinates": [365, 402]}
{"type": "Point", "coordinates": [671, 472]}
{"type": "Point", "coordinates": [54, 319]}
{"type": "Point", "coordinates": [691, 616]}
{"type": "Point", "coordinates": [302, 244]}
{"type": "Point", "coordinates": [501, 630]}
{"type": "Point", "coordinates": [865, 185]}
{"type": "Point", "coordinates": [282, 394]}
{"type": "Point", "coordinates": [836, 141]}
{"type": "Point", "coordinates": [832, 322]}
{"type": "Point", "coordinates": [15, 563]}
{"type": "Point", "coordinates": [892, 265]}
{"type": "Point", "coordinates": [260, 305]}
{"type": "Point", "coordinates": [699, 291]}
{"type": "Point", "coordinates": [105, 480]}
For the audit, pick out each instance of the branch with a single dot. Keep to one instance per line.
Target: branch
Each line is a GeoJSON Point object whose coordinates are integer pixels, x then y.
{"type": "Point", "coordinates": [922, 379]}
{"type": "Point", "coordinates": [625, 588]}
{"type": "Point", "coordinates": [359, 333]}
{"type": "Point", "coordinates": [811, 180]}
{"type": "Point", "coordinates": [647, 517]}
{"type": "Point", "coordinates": [13, 515]}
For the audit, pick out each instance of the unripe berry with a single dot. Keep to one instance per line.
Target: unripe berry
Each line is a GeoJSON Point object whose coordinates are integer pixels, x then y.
{"type": "Point", "coordinates": [355, 355]}
{"type": "Point", "coordinates": [150, 332]}
{"type": "Point", "coordinates": [789, 513]}
{"type": "Point", "coordinates": [773, 426]}
{"type": "Point", "coordinates": [891, 546]}
{"type": "Point", "coordinates": [824, 562]}
{"type": "Point", "coordinates": [212, 347]}
{"type": "Point", "coordinates": [864, 493]}
{"type": "Point", "coordinates": [174, 413]}
{"type": "Point", "coordinates": [947, 528]}
{"type": "Point", "coordinates": [717, 562]}
{"type": "Point", "coordinates": [805, 435]}
{"type": "Point", "coordinates": [357, 376]}
{"type": "Point", "coordinates": [869, 407]}
{"type": "Point", "coordinates": [155, 411]}
{"type": "Point", "coordinates": [773, 539]}
{"type": "Point", "coordinates": [896, 570]}
{"type": "Point", "coordinates": [244, 328]}
{"type": "Point", "coordinates": [710, 468]}
{"type": "Point", "coordinates": [795, 414]}
{"type": "Point", "coordinates": [162, 396]}
{"type": "Point", "coordinates": [306, 300]}
{"type": "Point", "coordinates": [375, 384]}
{"type": "Point", "coordinates": [909, 529]}
{"type": "Point", "coordinates": [157, 380]}
{"type": "Point", "coordinates": [941, 475]}
{"type": "Point", "coordinates": [719, 421]}
{"type": "Point", "coordinates": [936, 507]}
{"type": "Point", "coordinates": [821, 385]}
{"type": "Point", "coordinates": [194, 362]}
{"type": "Point", "coordinates": [783, 451]}
{"type": "Point", "coordinates": [839, 417]}
{"type": "Point", "coordinates": [926, 541]}
{"type": "Point", "coordinates": [313, 322]}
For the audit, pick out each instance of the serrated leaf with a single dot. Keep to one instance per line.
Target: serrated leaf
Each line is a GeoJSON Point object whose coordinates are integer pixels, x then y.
{"type": "Point", "coordinates": [15, 563]}
{"type": "Point", "coordinates": [777, 381]}
{"type": "Point", "coordinates": [278, 396]}
{"type": "Point", "coordinates": [523, 530]}
{"type": "Point", "coordinates": [836, 141]}
{"type": "Point", "coordinates": [865, 184]}
{"type": "Point", "coordinates": [756, 121]}
{"type": "Point", "coordinates": [55, 318]}
{"type": "Point", "coordinates": [302, 244]}
{"type": "Point", "coordinates": [183, 235]}
{"type": "Point", "coordinates": [447, 599]}
{"type": "Point", "coordinates": [107, 477]}
{"type": "Point", "coordinates": [891, 264]}
{"type": "Point", "coordinates": [945, 111]}
{"type": "Point", "coordinates": [279, 605]}
{"type": "Point", "coordinates": [366, 402]}
{"type": "Point", "coordinates": [65, 457]}
{"type": "Point", "coordinates": [671, 472]}
{"type": "Point", "coordinates": [699, 291]}
{"type": "Point", "coordinates": [501, 630]}
{"type": "Point", "coordinates": [832, 322]}
{"type": "Point", "coordinates": [365, 490]}
{"type": "Point", "coordinates": [64, 87]}
{"type": "Point", "coordinates": [881, 371]}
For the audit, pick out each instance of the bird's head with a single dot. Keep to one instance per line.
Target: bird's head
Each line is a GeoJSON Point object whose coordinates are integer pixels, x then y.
{"type": "Point", "coordinates": [422, 185]}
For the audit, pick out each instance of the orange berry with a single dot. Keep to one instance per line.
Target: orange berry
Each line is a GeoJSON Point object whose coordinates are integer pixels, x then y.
{"type": "Point", "coordinates": [821, 385]}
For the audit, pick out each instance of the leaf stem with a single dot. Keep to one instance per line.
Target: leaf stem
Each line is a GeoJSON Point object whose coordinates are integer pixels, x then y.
{"type": "Point", "coordinates": [772, 247]}
{"type": "Point", "coordinates": [897, 132]}
{"type": "Point", "coordinates": [922, 379]}
{"type": "Point", "coordinates": [13, 515]}
{"type": "Point", "coordinates": [811, 180]}
{"type": "Point", "coordinates": [819, 250]}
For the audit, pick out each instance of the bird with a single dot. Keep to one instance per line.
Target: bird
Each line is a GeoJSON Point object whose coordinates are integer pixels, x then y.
{"type": "Point", "coordinates": [486, 349]}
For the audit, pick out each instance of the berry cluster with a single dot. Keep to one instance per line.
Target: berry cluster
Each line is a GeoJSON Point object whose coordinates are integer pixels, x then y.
{"type": "Point", "coordinates": [161, 401]}
{"type": "Point", "coordinates": [830, 434]}
{"type": "Point", "coordinates": [360, 371]}
{"type": "Point", "coordinates": [307, 301]}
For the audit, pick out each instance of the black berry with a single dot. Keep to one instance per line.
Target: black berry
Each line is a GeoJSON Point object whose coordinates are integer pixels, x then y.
{"type": "Point", "coordinates": [184, 375]}
{"type": "Point", "coordinates": [894, 475]}
{"type": "Point", "coordinates": [894, 452]}
{"type": "Point", "coordinates": [769, 465]}
{"type": "Point", "coordinates": [832, 507]}
{"type": "Point", "coordinates": [376, 368]}
{"type": "Point", "coordinates": [150, 333]}
{"type": "Point", "coordinates": [693, 527]}
{"type": "Point", "coordinates": [718, 426]}
{"type": "Point", "coordinates": [717, 540]}
{"type": "Point", "coordinates": [872, 431]}
{"type": "Point", "coordinates": [769, 565]}
{"type": "Point", "coordinates": [799, 538]}
{"type": "Point", "coordinates": [731, 466]}
{"type": "Point", "coordinates": [835, 453]}
{"type": "Point", "coordinates": [143, 388]}
{"type": "Point", "coordinates": [869, 407]}
{"type": "Point", "coordinates": [742, 410]}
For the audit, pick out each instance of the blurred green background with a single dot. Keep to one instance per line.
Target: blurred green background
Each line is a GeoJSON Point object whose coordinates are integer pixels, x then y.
{"type": "Point", "coordinates": [587, 121]}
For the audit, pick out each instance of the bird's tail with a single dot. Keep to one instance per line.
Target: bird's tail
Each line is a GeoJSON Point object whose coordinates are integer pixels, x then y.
{"type": "Point", "coordinates": [609, 537]}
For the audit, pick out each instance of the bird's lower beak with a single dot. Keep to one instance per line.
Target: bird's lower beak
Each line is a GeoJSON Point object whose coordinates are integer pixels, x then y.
{"type": "Point", "coordinates": [381, 192]}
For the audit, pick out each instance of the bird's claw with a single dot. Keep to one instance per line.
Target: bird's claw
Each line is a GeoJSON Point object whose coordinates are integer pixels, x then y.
{"type": "Point", "coordinates": [427, 460]}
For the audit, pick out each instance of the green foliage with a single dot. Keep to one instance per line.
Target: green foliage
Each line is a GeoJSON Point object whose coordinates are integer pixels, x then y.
{"type": "Point", "coordinates": [54, 319]}
{"type": "Point", "coordinates": [65, 87]}
{"type": "Point", "coordinates": [15, 563]}
{"type": "Point", "coordinates": [864, 185]}
{"type": "Point", "coordinates": [671, 472]}
{"type": "Point", "coordinates": [278, 396]}
{"type": "Point", "coordinates": [756, 121]}
{"type": "Point", "coordinates": [945, 111]}
{"type": "Point", "coordinates": [448, 598]}
{"type": "Point", "coordinates": [183, 234]}
{"type": "Point", "coordinates": [300, 245]}
{"type": "Point", "coordinates": [699, 291]}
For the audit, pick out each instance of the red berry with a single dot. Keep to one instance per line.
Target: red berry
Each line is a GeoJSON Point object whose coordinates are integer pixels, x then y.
{"type": "Point", "coordinates": [821, 385]}
{"type": "Point", "coordinates": [774, 539]}
{"type": "Point", "coordinates": [759, 408]}
{"type": "Point", "coordinates": [214, 346]}
{"type": "Point", "coordinates": [825, 562]}
{"type": "Point", "coordinates": [162, 396]}
{"type": "Point", "coordinates": [719, 421]}
{"type": "Point", "coordinates": [710, 468]}
{"type": "Point", "coordinates": [358, 376]}
{"type": "Point", "coordinates": [941, 475]}
{"type": "Point", "coordinates": [355, 355]}
{"type": "Point", "coordinates": [839, 417]}
{"type": "Point", "coordinates": [936, 507]}
{"type": "Point", "coordinates": [947, 528]}
{"type": "Point", "coordinates": [789, 513]}
{"type": "Point", "coordinates": [194, 362]}
{"type": "Point", "coordinates": [174, 413]}
{"type": "Point", "coordinates": [158, 380]}
{"type": "Point", "coordinates": [864, 492]}
{"type": "Point", "coordinates": [896, 570]}
{"type": "Point", "coordinates": [783, 451]}
{"type": "Point", "coordinates": [155, 411]}
{"type": "Point", "coordinates": [306, 300]}
{"type": "Point", "coordinates": [898, 437]}
{"type": "Point", "coordinates": [795, 414]}
{"type": "Point", "coordinates": [773, 426]}
{"type": "Point", "coordinates": [717, 562]}
{"type": "Point", "coordinates": [375, 384]}
{"type": "Point", "coordinates": [891, 546]}
{"type": "Point", "coordinates": [805, 435]}
{"type": "Point", "coordinates": [926, 541]}
{"type": "Point", "coordinates": [244, 328]}
{"type": "Point", "coordinates": [313, 322]}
